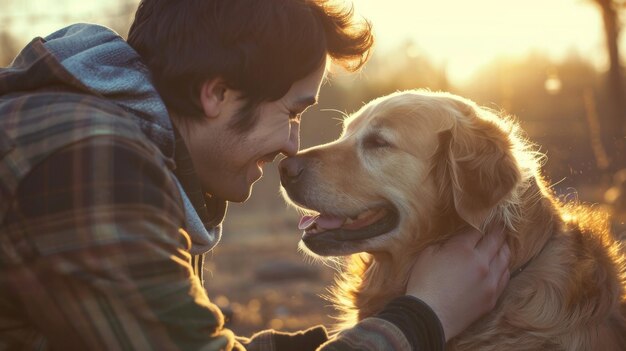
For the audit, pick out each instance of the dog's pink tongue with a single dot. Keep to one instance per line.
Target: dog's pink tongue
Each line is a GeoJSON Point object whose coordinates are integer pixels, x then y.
{"type": "Point", "coordinates": [306, 222]}
{"type": "Point", "coordinates": [330, 221]}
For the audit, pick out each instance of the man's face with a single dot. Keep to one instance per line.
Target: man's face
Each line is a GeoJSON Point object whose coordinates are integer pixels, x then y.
{"type": "Point", "coordinates": [228, 162]}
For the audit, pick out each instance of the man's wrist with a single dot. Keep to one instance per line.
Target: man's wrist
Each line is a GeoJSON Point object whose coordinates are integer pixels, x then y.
{"type": "Point", "coordinates": [309, 339]}
{"type": "Point", "coordinates": [419, 323]}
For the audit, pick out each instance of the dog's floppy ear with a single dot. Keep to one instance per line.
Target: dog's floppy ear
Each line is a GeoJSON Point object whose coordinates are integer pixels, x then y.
{"type": "Point", "coordinates": [474, 166]}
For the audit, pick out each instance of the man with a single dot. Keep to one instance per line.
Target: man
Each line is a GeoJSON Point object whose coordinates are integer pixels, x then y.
{"type": "Point", "coordinates": [117, 159]}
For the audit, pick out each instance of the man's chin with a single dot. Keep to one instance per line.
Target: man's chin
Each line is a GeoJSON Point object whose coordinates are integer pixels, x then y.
{"type": "Point", "coordinates": [239, 197]}
{"type": "Point", "coordinates": [239, 193]}
{"type": "Point", "coordinates": [236, 188]}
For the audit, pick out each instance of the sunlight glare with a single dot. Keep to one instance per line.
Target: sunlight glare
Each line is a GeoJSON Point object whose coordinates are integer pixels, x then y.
{"type": "Point", "coordinates": [466, 34]}
{"type": "Point", "coordinates": [459, 34]}
{"type": "Point", "coordinates": [553, 84]}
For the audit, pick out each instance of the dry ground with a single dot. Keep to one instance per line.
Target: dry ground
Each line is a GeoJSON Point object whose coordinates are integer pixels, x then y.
{"type": "Point", "coordinates": [249, 243]}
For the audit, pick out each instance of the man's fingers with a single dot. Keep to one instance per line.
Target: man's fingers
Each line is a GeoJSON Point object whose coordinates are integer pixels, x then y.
{"type": "Point", "coordinates": [499, 264]}
{"type": "Point", "coordinates": [503, 281]}
{"type": "Point", "coordinates": [492, 241]}
{"type": "Point", "coordinates": [468, 237]}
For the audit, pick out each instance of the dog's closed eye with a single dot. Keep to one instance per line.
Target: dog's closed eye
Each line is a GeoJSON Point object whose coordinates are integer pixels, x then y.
{"type": "Point", "coordinates": [375, 141]}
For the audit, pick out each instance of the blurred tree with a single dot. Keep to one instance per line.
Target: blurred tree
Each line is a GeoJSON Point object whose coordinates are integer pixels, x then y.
{"type": "Point", "coordinates": [8, 48]}
{"type": "Point", "coordinates": [614, 125]}
{"type": "Point", "coordinates": [405, 67]}
{"type": "Point", "coordinates": [120, 17]}
{"type": "Point", "coordinates": [553, 114]}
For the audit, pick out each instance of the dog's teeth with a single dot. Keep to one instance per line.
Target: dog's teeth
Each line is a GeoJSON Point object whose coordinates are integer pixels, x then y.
{"type": "Point", "coordinates": [349, 220]}
{"type": "Point", "coordinates": [313, 229]}
{"type": "Point", "coordinates": [365, 214]}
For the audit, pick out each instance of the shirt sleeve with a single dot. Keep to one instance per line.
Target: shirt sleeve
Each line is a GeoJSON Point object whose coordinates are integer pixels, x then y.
{"type": "Point", "coordinates": [101, 259]}
{"type": "Point", "coordinates": [406, 323]}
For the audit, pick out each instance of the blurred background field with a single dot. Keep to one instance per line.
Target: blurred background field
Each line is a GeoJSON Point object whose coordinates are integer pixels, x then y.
{"type": "Point", "coordinates": [555, 65]}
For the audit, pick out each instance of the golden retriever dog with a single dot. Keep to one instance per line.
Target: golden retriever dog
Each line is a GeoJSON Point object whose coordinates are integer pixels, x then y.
{"type": "Point", "coordinates": [413, 168]}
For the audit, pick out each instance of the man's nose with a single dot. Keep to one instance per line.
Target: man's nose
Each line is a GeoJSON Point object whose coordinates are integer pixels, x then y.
{"type": "Point", "coordinates": [293, 143]}
{"type": "Point", "coordinates": [290, 169]}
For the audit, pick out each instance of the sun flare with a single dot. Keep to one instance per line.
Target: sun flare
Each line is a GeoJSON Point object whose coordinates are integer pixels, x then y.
{"type": "Point", "coordinates": [465, 34]}
{"type": "Point", "coordinates": [459, 35]}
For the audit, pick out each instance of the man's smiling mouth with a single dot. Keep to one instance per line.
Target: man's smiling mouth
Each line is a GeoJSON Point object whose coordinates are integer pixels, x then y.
{"type": "Point", "coordinates": [266, 159]}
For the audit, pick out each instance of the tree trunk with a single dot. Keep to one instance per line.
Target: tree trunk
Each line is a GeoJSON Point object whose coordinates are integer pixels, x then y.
{"type": "Point", "coordinates": [614, 127]}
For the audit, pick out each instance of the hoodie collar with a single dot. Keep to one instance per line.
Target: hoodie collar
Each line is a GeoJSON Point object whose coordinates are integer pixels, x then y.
{"type": "Point", "coordinates": [95, 60]}
{"type": "Point", "coordinates": [107, 66]}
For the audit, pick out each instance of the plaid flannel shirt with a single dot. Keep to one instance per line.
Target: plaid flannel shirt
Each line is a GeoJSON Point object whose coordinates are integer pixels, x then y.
{"type": "Point", "coordinates": [93, 248]}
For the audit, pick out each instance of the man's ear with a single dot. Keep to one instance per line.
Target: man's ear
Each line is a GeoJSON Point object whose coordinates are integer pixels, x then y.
{"type": "Point", "coordinates": [475, 163]}
{"type": "Point", "coordinates": [212, 95]}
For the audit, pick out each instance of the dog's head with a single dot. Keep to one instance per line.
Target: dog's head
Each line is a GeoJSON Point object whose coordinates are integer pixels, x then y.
{"type": "Point", "coordinates": [408, 169]}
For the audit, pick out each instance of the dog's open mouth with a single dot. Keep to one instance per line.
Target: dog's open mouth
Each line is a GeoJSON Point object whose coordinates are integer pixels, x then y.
{"type": "Point", "coordinates": [365, 225]}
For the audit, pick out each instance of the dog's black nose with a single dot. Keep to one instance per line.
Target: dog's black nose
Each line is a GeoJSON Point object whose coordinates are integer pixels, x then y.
{"type": "Point", "coordinates": [290, 169]}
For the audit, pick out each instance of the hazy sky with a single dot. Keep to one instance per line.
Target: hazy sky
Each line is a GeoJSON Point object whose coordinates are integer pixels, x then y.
{"type": "Point", "coordinates": [463, 34]}
{"type": "Point", "coordinates": [468, 33]}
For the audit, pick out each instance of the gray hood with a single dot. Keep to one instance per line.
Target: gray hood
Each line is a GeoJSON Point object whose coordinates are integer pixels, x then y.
{"type": "Point", "coordinates": [108, 67]}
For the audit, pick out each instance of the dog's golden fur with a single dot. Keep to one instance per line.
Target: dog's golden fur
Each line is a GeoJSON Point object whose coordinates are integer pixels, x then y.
{"type": "Point", "coordinates": [453, 164]}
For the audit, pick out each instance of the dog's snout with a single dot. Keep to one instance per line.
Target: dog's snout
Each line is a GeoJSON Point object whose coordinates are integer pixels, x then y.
{"type": "Point", "coordinates": [291, 169]}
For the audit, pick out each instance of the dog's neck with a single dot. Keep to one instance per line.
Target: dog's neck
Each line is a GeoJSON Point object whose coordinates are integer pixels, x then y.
{"type": "Point", "coordinates": [518, 270]}
{"type": "Point", "coordinates": [382, 277]}
{"type": "Point", "coordinates": [366, 283]}
{"type": "Point", "coordinates": [533, 228]}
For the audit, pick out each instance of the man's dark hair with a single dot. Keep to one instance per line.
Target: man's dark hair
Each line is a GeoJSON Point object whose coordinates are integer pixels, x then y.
{"type": "Point", "coordinates": [259, 47]}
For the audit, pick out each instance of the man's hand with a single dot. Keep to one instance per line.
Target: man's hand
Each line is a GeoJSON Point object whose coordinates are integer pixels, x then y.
{"type": "Point", "coordinates": [462, 279]}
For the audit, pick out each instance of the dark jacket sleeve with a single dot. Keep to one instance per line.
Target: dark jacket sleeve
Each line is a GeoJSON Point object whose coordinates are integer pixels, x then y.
{"type": "Point", "coordinates": [406, 323]}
